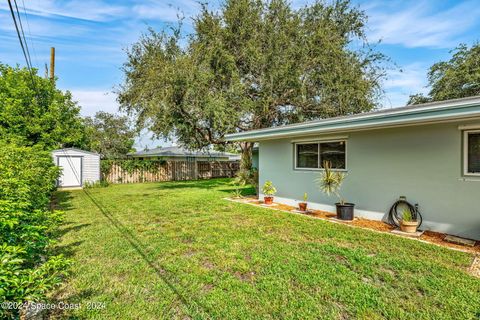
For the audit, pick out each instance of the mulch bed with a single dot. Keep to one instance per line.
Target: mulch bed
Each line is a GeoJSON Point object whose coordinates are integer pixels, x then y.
{"type": "Point", "coordinates": [427, 236]}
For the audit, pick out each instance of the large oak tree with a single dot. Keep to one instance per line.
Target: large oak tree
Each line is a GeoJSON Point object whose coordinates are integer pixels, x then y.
{"type": "Point", "coordinates": [251, 65]}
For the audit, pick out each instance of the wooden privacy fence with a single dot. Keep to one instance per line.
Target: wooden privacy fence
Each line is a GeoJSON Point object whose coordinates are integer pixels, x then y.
{"type": "Point", "coordinates": [172, 171]}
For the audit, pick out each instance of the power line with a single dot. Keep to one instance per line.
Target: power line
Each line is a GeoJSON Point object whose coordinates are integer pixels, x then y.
{"type": "Point", "coordinates": [23, 33]}
{"type": "Point", "coordinates": [21, 43]}
{"type": "Point", "coordinates": [139, 248]}
{"type": "Point", "coordinates": [27, 56]}
{"type": "Point", "coordinates": [30, 34]}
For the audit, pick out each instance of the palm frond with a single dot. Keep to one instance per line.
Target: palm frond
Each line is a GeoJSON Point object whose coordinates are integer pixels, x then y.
{"type": "Point", "coordinates": [330, 182]}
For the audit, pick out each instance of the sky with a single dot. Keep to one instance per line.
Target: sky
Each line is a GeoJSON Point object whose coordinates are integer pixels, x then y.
{"type": "Point", "coordinates": [90, 38]}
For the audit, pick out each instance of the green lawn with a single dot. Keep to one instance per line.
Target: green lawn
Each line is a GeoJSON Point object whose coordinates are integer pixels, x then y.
{"type": "Point", "coordinates": [178, 250]}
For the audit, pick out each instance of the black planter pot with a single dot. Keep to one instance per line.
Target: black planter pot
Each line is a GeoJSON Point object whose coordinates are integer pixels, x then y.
{"type": "Point", "coordinates": [345, 211]}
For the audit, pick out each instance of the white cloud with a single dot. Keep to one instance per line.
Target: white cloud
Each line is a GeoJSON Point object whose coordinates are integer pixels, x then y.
{"type": "Point", "coordinates": [92, 101]}
{"type": "Point", "coordinates": [418, 24]}
{"type": "Point", "coordinates": [166, 11]}
{"type": "Point", "coordinates": [43, 29]}
{"type": "Point", "coordinates": [411, 77]}
{"type": "Point", "coordinates": [78, 9]}
{"type": "Point", "coordinates": [400, 84]}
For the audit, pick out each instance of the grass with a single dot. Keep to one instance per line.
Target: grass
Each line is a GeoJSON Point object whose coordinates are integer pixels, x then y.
{"type": "Point", "coordinates": [178, 250]}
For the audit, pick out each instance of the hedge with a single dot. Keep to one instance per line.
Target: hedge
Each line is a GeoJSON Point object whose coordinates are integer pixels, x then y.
{"type": "Point", "coordinates": [28, 270]}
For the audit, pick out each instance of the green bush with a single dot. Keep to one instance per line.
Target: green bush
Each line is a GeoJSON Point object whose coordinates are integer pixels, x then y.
{"type": "Point", "coordinates": [27, 175]}
{"type": "Point", "coordinates": [27, 226]}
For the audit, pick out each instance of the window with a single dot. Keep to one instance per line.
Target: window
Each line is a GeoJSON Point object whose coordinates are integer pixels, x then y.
{"type": "Point", "coordinates": [472, 152]}
{"type": "Point", "coordinates": [307, 155]}
{"type": "Point", "coordinates": [312, 155]}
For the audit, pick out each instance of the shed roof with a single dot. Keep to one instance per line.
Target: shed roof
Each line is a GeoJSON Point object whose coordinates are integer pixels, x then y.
{"type": "Point", "coordinates": [464, 108]}
{"type": "Point", "coordinates": [75, 149]}
{"type": "Point", "coordinates": [181, 152]}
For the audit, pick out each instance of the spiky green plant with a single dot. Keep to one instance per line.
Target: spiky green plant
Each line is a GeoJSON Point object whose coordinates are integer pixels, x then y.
{"type": "Point", "coordinates": [330, 182]}
{"type": "Point", "coordinates": [237, 193]}
{"type": "Point", "coordinates": [305, 197]}
{"type": "Point", "coordinates": [407, 215]}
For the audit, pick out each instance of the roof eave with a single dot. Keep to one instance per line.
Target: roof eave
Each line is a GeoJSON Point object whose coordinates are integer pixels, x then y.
{"type": "Point", "coordinates": [76, 149]}
{"type": "Point", "coordinates": [349, 127]}
{"type": "Point", "coordinates": [380, 117]}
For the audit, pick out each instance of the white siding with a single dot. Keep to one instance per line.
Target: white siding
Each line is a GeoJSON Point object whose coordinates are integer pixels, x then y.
{"type": "Point", "coordinates": [90, 163]}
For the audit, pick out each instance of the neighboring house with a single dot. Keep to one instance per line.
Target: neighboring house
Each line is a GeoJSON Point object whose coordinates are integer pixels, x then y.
{"type": "Point", "coordinates": [77, 167]}
{"type": "Point", "coordinates": [181, 154]}
{"type": "Point", "coordinates": [429, 153]}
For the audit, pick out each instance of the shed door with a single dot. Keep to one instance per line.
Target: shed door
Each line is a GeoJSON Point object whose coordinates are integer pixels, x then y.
{"type": "Point", "coordinates": [71, 175]}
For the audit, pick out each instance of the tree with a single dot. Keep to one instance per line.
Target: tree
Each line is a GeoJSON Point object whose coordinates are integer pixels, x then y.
{"type": "Point", "coordinates": [251, 65]}
{"type": "Point", "coordinates": [34, 112]}
{"type": "Point", "coordinates": [456, 78]}
{"type": "Point", "coordinates": [110, 135]}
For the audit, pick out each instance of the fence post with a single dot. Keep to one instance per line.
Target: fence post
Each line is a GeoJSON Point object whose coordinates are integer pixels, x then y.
{"type": "Point", "coordinates": [195, 170]}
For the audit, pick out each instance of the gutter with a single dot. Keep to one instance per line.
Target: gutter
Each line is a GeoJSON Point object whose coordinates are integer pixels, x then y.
{"type": "Point", "coordinates": [376, 120]}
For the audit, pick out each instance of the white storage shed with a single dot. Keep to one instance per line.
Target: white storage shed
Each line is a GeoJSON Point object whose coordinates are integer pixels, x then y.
{"type": "Point", "coordinates": [78, 167]}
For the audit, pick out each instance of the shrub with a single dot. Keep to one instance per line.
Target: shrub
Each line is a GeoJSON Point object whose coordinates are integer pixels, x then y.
{"type": "Point", "coordinates": [245, 177]}
{"type": "Point", "coordinates": [27, 175]}
{"type": "Point", "coordinates": [268, 189]}
{"type": "Point", "coordinates": [27, 226]}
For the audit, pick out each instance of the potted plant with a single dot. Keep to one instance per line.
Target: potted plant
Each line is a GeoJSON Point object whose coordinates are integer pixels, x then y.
{"type": "Point", "coordinates": [303, 205]}
{"type": "Point", "coordinates": [330, 182]}
{"type": "Point", "coordinates": [268, 191]}
{"type": "Point", "coordinates": [408, 223]}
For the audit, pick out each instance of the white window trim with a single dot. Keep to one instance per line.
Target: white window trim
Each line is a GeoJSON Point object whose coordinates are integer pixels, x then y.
{"type": "Point", "coordinates": [320, 139]}
{"type": "Point", "coordinates": [296, 168]}
{"type": "Point", "coordinates": [474, 126]}
{"type": "Point", "coordinates": [465, 153]}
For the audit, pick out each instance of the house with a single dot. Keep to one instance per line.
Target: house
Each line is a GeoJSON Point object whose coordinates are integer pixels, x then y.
{"type": "Point", "coordinates": [181, 154]}
{"type": "Point", "coordinates": [77, 167]}
{"type": "Point", "coordinates": [429, 153]}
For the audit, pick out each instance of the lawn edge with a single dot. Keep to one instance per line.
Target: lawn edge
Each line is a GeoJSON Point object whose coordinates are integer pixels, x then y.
{"type": "Point", "coordinates": [473, 254]}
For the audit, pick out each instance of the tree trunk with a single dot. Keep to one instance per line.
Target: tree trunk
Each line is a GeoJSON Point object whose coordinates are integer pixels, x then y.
{"type": "Point", "coordinates": [249, 175]}
{"type": "Point", "coordinates": [246, 161]}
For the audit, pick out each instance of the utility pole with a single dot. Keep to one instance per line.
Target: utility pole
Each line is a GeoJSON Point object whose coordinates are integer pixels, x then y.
{"type": "Point", "coordinates": [52, 63]}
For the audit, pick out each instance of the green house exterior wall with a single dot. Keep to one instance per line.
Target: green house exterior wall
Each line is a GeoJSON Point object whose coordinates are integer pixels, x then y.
{"type": "Point", "coordinates": [423, 163]}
